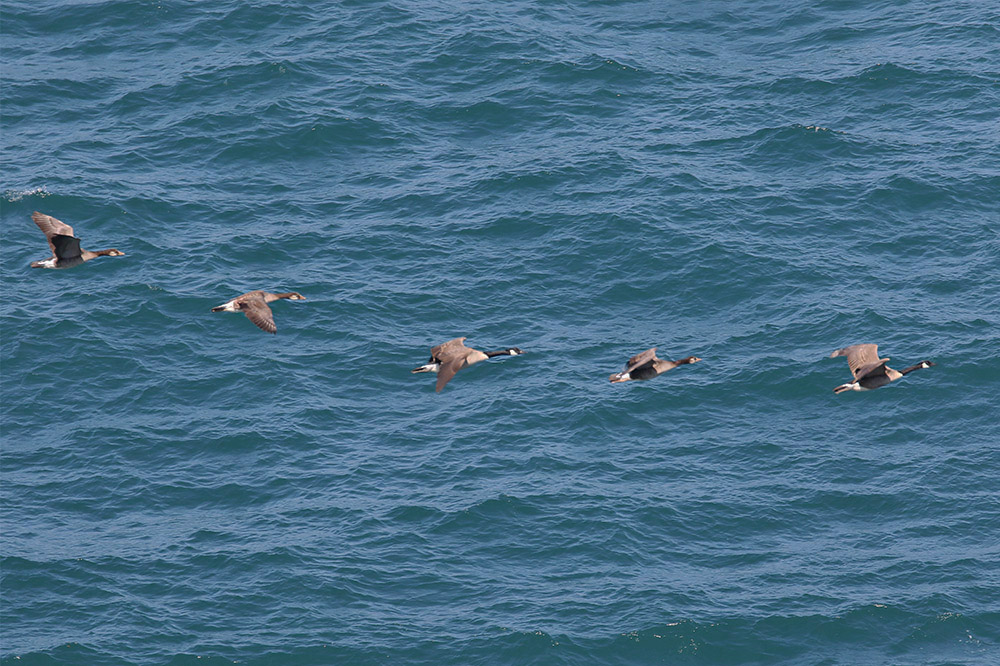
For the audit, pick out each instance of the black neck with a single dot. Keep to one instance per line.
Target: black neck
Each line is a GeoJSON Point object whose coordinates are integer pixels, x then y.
{"type": "Point", "coordinates": [910, 369]}
{"type": "Point", "coordinates": [502, 352]}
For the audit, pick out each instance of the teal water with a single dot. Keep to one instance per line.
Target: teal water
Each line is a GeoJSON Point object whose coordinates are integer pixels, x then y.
{"type": "Point", "coordinates": [754, 183]}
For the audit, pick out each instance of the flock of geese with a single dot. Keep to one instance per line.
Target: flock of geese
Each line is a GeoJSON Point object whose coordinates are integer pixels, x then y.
{"type": "Point", "coordinates": [869, 371]}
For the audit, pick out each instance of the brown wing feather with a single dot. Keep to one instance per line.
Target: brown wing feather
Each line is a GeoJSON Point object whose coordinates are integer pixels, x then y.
{"type": "Point", "coordinates": [871, 369]}
{"type": "Point", "coordinates": [448, 371]}
{"type": "Point", "coordinates": [257, 311]}
{"type": "Point", "coordinates": [640, 360]}
{"type": "Point", "coordinates": [446, 351]}
{"type": "Point", "coordinates": [50, 226]}
{"type": "Point", "coordinates": [859, 356]}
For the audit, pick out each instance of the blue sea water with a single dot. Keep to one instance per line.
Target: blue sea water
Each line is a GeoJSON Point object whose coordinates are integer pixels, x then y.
{"type": "Point", "coordinates": [756, 183]}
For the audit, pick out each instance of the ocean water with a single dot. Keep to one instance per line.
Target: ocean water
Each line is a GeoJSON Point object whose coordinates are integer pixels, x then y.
{"type": "Point", "coordinates": [754, 183]}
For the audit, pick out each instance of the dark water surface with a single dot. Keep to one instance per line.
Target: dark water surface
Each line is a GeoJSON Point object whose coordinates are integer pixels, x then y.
{"type": "Point", "coordinates": [754, 183]}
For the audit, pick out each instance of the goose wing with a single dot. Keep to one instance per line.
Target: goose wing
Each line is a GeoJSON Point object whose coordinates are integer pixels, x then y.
{"type": "Point", "coordinates": [447, 371]}
{"type": "Point", "coordinates": [859, 357]}
{"type": "Point", "coordinates": [446, 351]}
{"type": "Point", "coordinates": [50, 226]}
{"type": "Point", "coordinates": [65, 247]}
{"type": "Point", "coordinates": [259, 313]}
{"type": "Point", "coordinates": [872, 369]}
{"type": "Point", "coordinates": [640, 360]}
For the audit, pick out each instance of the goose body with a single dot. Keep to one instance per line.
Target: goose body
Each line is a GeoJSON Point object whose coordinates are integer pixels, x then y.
{"type": "Point", "coordinates": [66, 250]}
{"type": "Point", "coordinates": [870, 372]}
{"type": "Point", "coordinates": [254, 304]}
{"type": "Point", "coordinates": [646, 366]}
{"type": "Point", "coordinates": [450, 357]}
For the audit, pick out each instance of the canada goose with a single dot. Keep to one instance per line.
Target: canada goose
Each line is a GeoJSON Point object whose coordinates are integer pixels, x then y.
{"type": "Point", "coordinates": [870, 371]}
{"type": "Point", "coordinates": [254, 305]}
{"type": "Point", "coordinates": [66, 251]}
{"type": "Point", "coordinates": [450, 357]}
{"type": "Point", "coordinates": [647, 366]}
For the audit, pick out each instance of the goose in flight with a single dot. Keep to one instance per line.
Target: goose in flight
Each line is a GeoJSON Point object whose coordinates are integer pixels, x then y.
{"type": "Point", "coordinates": [66, 250]}
{"type": "Point", "coordinates": [254, 305]}
{"type": "Point", "coordinates": [646, 366]}
{"type": "Point", "coordinates": [450, 357]}
{"type": "Point", "coordinates": [870, 371]}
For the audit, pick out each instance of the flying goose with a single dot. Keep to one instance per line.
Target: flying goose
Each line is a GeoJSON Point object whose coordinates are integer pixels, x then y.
{"type": "Point", "coordinates": [647, 366]}
{"type": "Point", "coordinates": [450, 357]}
{"type": "Point", "coordinates": [870, 371]}
{"type": "Point", "coordinates": [66, 251]}
{"type": "Point", "coordinates": [254, 305]}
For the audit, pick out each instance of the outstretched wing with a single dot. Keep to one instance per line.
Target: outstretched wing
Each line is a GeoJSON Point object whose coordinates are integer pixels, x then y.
{"type": "Point", "coordinates": [65, 247]}
{"type": "Point", "coordinates": [860, 357]}
{"type": "Point", "coordinates": [50, 226]}
{"type": "Point", "coordinates": [448, 371]}
{"type": "Point", "coordinates": [640, 360]}
{"type": "Point", "coordinates": [257, 311]}
{"type": "Point", "coordinates": [446, 351]}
